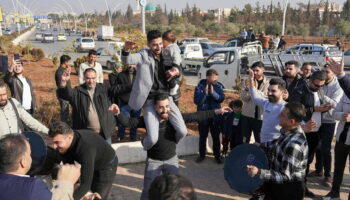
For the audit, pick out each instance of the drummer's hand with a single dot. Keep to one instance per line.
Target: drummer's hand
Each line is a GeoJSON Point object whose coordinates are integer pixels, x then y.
{"type": "Point", "coordinates": [114, 109]}
{"type": "Point", "coordinates": [91, 196]}
{"type": "Point", "coordinates": [252, 170]}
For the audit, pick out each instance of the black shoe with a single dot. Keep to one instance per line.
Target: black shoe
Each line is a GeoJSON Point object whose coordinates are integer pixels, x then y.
{"type": "Point", "coordinates": [309, 194]}
{"type": "Point", "coordinates": [218, 160]}
{"type": "Point", "coordinates": [332, 196]}
{"type": "Point", "coordinates": [199, 159]}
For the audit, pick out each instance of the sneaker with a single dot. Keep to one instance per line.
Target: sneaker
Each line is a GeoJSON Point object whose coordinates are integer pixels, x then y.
{"type": "Point", "coordinates": [308, 193]}
{"type": "Point", "coordinates": [315, 174]}
{"type": "Point", "coordinates": [331, 196]}
{"type": "Point", "coordinates": [327, 182]}
{"type": "Point", "coordinates": [199, 159]}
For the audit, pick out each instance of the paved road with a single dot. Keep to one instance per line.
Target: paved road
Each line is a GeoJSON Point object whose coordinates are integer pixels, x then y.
{"type": "Point", "coordinates": [61, 47]}
{"type": "Point", "coordinates": [207, 178]}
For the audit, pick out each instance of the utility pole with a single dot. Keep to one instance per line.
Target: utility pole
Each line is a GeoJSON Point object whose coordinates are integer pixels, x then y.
{"type": "Point", "coordinates": [285, 5]}
{"type": "Point", "coordinates": [143, 5]}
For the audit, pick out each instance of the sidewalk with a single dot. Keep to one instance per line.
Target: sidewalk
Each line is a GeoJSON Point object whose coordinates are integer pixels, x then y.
{"type": "Point", "coordinates": [207, 177]}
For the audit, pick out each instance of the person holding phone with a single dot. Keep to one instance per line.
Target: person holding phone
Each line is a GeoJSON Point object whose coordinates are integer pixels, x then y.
{"type": "Point", "coordinates": [20, 86]}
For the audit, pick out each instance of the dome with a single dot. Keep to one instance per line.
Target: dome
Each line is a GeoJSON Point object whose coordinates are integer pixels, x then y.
{"type": "Point", "coordinates": [151, 7]}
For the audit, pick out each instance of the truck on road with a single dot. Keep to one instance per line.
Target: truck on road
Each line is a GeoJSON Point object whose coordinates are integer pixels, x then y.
{"type": "Point", "coordinates": [105, 32]}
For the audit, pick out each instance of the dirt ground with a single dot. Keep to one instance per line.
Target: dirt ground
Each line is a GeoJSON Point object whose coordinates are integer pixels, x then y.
{"type": "Point", "coordinates": [42, 74]}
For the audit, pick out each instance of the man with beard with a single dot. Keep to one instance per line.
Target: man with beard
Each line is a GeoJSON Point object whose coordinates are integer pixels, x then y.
{"type": "Point", "coordinates": [13, 116]}
{"type": "Point", "coordinates": [21, 87]}
{"type": "Point", "coordinates": [96, 157]}
{"type": "Point", "coordinates": [291, 76]}
{"type": "Point", "coordinates": [121, 89]}
{"type": "Point", "coordinates": [332, 90]}
{"type": "Point", "coordinates": [89, 103]}
{"type": "Point", "coordinates": [162, 158]}
{"type": "Point", "coordinates": [306, 70]}
{"type": "Point", "coordinates": [152, 80]}
{"type": "Point", "coordinates": [288, 157]}
{"type": "Point", "coordinates": [251, 113]}
{"type": "Point", "coordinates": [315, 103]}
{"type": "Point", "coordinates": [272, 106]}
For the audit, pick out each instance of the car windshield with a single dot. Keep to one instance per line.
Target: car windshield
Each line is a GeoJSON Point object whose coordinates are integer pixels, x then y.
{"type": "Point", "coordinates": [48, 35]}
{"type": "Point", "coordinates": [60, 34]}
{"type": "Point", "coordinates": [87, 40]}
{"type": "Point", "coordinates": [216, 45]}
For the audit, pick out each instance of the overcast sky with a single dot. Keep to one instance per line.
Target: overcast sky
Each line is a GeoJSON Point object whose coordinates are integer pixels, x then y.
{"type": "Point", "coordinates": [44, 6]}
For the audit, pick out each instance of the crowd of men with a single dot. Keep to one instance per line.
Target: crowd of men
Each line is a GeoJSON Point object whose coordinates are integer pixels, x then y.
{"type": "Point", "coordinates": [292, 119]}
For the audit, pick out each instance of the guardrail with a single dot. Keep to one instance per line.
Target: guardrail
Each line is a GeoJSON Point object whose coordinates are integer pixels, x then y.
{"type": "Point", "coordinates": [23, 36]}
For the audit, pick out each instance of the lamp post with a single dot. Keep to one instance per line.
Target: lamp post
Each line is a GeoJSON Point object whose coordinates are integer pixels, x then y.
{"type": "Point", "coordinates": [285, 5]}
{"type": "Point", "coordinates": [143, 5]}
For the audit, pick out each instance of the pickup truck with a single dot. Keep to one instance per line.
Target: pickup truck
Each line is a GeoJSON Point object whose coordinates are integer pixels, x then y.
{"type": "Point", "coordinates": [228, 62]}
{"type": "Point", "coordinates": [191, 54]}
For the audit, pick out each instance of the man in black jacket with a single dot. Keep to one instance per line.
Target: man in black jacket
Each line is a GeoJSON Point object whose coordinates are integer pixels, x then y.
{"type": "Point", "coordinates": [64, 64]}
{"type": "Point", "coordinates": [89, 103]}
{"type": "Point", "coordinates": [291, 76]}
{"type": "Point", "coordinates": [21, 87]}
{"type": "Point", "coordinates": [162, 158]}
{"type": "Point", "coordinates": [315, 103]}
{"type": "Point", "coordinates": [121, 89]}
{"type": "Point", "coordinates": [96, 157]}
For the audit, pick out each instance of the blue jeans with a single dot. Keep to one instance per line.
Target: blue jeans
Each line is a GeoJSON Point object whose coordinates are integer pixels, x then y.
{"type": "Point", "coordinates": [323, 153]}
{"type": "Point", "coordinates": [249, 124]}
{"type": "Point", "coordinates": [127, 111]}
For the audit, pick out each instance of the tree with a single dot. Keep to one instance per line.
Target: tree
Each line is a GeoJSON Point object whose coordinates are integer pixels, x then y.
{"type": "Point", "coordinates": [129, 14]}
{"type": "Point", "coordinates": [345, 14]}
{"type": "Point", "coordinates": [233, 15]}
{"type": "Point", "coordinates": [231, 29]}
{"type": "Point", "coordinates": [343, 27]}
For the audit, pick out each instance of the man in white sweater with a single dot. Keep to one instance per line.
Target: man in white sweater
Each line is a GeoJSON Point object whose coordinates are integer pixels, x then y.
{"type": "Point", "coordinates": [91, 63]}
{"type": "Point", "coordinates": [13, 116]}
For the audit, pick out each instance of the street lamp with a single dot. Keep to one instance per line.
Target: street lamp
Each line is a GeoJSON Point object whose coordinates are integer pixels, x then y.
{"type": "Point", "coordinates": [81, 4]}
{"type": "Point", "coordinates": [285, 5]}
{"type": "Point", "coordinates": [143, 5]}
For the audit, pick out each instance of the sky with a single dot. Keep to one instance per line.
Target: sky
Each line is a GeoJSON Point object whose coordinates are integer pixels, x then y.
{"type": "Point", "coordinates": [44, 6]}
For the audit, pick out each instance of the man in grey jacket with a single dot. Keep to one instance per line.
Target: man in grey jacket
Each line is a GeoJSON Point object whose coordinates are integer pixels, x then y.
{"type": "Point", "coordinates": [150, 81]}
{"type": "Point", "coordinates": [13, 115]}
{"type": "Point", "coordinates": [332, 90]}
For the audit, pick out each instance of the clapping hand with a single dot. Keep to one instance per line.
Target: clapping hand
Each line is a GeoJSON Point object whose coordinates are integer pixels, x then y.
{"type": "Point", "coordinates": [171, 73]}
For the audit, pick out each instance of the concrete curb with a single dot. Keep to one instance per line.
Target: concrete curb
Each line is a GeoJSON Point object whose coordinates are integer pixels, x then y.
{"type": "Point", "coordinates": [132, 152]}
{"type": "Point", "coordinates": [23, 36]}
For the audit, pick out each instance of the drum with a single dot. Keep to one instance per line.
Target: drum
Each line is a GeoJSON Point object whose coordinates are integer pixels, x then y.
{"type": "Point", "coordinates": [235, 168]}
{"type": "Point", "coordinates": [39, 152]}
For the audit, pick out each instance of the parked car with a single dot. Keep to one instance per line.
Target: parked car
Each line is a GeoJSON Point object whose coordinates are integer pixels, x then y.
{"type": "Point", "coordinates": [84, 44]}
{"type": "Point", "coordinates": [234, 42]}
{"type": "Point", "coordinates": [39, 36]}
{"type": "Point", "coordinates": [193, 40]}
{"type": "Point", "coordinates": [210, 47]}
{"type": "Point", "coordinates": [106, 55]}
{"type": "Point", "coordinates": [55, 29]}
{"type": "Point", "coordinates": [7, 32]}
{"type": "Point", "coordinates": [78, 31]}
{"type": "Point", "coordinates": [61, 37]}
{"type": "Point", "coordinates": [47, 37]}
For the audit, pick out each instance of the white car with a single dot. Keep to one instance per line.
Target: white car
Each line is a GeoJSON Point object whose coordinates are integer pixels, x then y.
{"type": "Point", "coordinates": [39, 36]}
{"type": "Point", "coordinates": [347, 58]}
{"type": "Point", "coordinates": [84, 44]}
{"type": "Point", "coordinates": [47, 37]}
{"type": "Point", "coordinates": [61, 37]}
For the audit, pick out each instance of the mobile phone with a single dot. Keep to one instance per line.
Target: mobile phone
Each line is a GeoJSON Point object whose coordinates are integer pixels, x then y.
{"type": "Point", "coordinates": [16, 56]}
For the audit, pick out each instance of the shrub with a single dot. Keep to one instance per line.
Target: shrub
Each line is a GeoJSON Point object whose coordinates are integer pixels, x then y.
{"type": "Point", "coordinates": [199, 32]}
{"type": "Point", "coordinates": [78, 61]}
{"type": "Point", "coordinates": [37, 54]}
